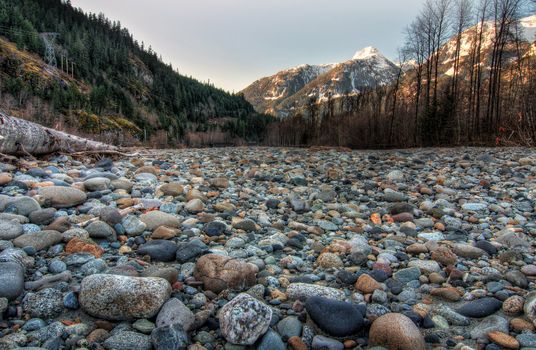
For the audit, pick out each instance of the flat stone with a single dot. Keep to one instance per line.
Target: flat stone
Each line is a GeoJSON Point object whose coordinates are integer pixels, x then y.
{"type": "Point", "coordinates": [115, 297]}
{"type": "Point", "coordinates": [10, 229]}
{"type": "Point", "coordinates": [303, 291]}
{"type": "Point", "coordinates": [155, 218]}
{"type": "Point", "coordinates": [38, 240]}
{"type": "Point", "coordinates": [127, 340]}
{"type": "Point", "coordinates": [480, 307]}
{"type": "Point", "coordinates": [62, 197]}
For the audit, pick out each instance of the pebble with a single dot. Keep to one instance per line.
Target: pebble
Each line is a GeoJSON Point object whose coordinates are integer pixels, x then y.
{"type": "Point", "coordinates": [190, 229]}
{"type": "Point", "coordinates": [219, 272]}
{"type": "Point", "coordinates": [115, 297]}
{"type": "Point", "coordinates": [396, 331]}
{"type": "Point", "coordinates": [336, 318]}
{"type": "Point", "coordinates": [174, 311]}
{"type": "Point", "coordinates": [480, 308]}
{"type": "Point", "coordinates": [244, 319]}
{"type": "Point", "coordinates": [62, 197]}
{"type": "Point", "coordinates": [303, 291]}
{"type": "Point", "coordinates": [128, 340]}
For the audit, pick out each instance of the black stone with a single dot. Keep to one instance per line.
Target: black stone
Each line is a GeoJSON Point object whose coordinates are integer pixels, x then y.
{"type": "Point", "coordinates": [379, 275]}
{"type": "Point", "coordinates": [432, 339]}
{"type": "Point", "coordinates": [159, 250]}
{"type": "Point", "coordinates": [487, 247]}
{"type": "Point", "coordinates": [214, 228]}
{"type": "Point", "coordinates": [346, 277]}
{"type": "Point", "coordinates": [395, 286]}
{"type": "Point", "coordinates": [480, 308]}
{"type": "Point", "coordinates": [336, 318]}
{"type": "Point", "coordinates": [191, 250]}
{"type": "Point", "coordinates": [272, 203]}
{"type": "Point", "coordinates": [171, 337]}
{"type": "Point", "coordinates": [427, 322]}
{"type": "Point", "coordinates": [105, 164]}
{"type": "Point", "coordinates": [398, 208]}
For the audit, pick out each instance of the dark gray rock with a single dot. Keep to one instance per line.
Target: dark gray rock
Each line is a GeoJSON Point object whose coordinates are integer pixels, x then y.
{"type": "Point", "coordinates": [127, 340]}
{"type": "Point", "coordinates": [11, 280]}
{"type": "Point", "coordinates": [336, 318]}
{"type": "Point", "coordinates": [480, 308]}
{"type": "Point", "coordinates": [159, 250]}
{"type": "Point", "coordinates": [190, 250]}
{"type": "Point", "coordinates": [171, 337]}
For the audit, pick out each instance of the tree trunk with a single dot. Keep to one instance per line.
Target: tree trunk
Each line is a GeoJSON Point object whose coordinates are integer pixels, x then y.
{"type": "Point", "coordinates": [19, 137]}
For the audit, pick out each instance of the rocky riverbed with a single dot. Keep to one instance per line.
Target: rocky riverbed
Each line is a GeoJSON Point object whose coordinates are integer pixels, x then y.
{"type": "Point", "coordinates": [262, 248]}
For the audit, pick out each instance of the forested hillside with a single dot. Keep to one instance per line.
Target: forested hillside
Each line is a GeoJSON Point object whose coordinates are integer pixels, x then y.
{"type": "Point", "coordinates": [106, 83]}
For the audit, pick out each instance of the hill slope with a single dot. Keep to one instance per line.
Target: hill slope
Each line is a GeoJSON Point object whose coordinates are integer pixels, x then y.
{"type": "Point", "coordinates": [115, 79]}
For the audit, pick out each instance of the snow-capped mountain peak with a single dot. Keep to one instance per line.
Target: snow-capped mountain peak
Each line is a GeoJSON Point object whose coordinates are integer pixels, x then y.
{"type": "Point", "coordinates": [366, 53]}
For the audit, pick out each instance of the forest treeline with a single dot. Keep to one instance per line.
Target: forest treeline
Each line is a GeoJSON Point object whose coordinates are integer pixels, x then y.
{"type": "Point", "coordinates": [469, 79]}
{"type": "Point", "coordinates": [106, 81]}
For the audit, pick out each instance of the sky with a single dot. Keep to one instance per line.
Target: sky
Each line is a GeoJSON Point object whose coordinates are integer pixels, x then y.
{"type": "Point", "coordinates": [232, 43]}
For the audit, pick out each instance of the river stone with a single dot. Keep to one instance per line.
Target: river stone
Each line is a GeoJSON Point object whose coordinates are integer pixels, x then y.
{"type": "Point", "coordinates": [174, 311]}
{"type": "Point", "coordinates": [530, 306]}
{"type": "Point", "coordinates": [244, 319]}
{"type": "Point", "coordinates": [62, 197]}
{"type": "Point", "coordinates": [396, 332]}
{"type": "Point", "coordinates": [11, 280]}
{"type": "Point", "coordinates": [42, 216]}
{"type": "Point", "coordinates": [115, 297]}
{"type": "Point", "coordinates": [154, 219]}
{"type": "Point", "coordinates": [97, 184]}
{"type": "Point", "coordinates": [47, 303]}
{"type": "Point", "coordinates": [489, 324]}
{"type": "Point", "coordinates": [101, 230]}
{"type": "Point", "coordinates": [271, 341]}
{"type": "Point", "coordinates": [480, 307]}
{"type": "Point", "coordinates": [10, 229]}
{"type": "Point", "coordinates": [219, 272]}
{"type": "Point", "coordinates": [467, 251]}
{"type": "Point", "coordinates": [38, 240]}
{"type": "Point", "coordinates": [170, 337]}
{"type": "Point", "coordinates": [24, 205]}
{"type": "Point", "coordinates": [190, 250]}
{"type": "Point", "coordinates": [128, 340]}
{"type": "Point", "coordinates": [133, 226]}
{"type": "Point", "coordinates": [336, 318]}
{"type": "Point", "coordinates": [303, 291]}
{"type": "Point", "coordinates": [159, 250]}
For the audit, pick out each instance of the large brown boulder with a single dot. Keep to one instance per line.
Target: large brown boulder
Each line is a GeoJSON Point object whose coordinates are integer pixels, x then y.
{"type": "Point", "coordinates": [218, 272]}
{"type": "Point", "coordinates": [396, 332]}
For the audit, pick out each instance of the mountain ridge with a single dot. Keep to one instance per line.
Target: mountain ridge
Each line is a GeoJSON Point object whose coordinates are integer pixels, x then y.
{"type": "Point", "coordinates": [281, 93]}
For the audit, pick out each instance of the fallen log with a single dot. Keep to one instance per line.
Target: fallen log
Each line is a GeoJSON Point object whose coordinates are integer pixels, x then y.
{"type": "Point", "coordinates": [22, 137]}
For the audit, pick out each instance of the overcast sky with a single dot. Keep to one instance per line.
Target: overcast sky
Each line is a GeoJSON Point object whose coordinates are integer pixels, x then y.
{"type": "Point", "coordinates": [235, 42]}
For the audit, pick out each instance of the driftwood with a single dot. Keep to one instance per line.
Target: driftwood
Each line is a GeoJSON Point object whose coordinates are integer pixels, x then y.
{"type": "Point", "coordinates": [21, 137]}
{"type": "Point", "coordinates": [45, 281]}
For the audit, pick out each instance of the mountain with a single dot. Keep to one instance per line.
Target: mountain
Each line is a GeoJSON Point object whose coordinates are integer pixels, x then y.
{"type": "Point", "coordinates": [289, 89]}
{"type": "Point", "coordinates": [105, 83]}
